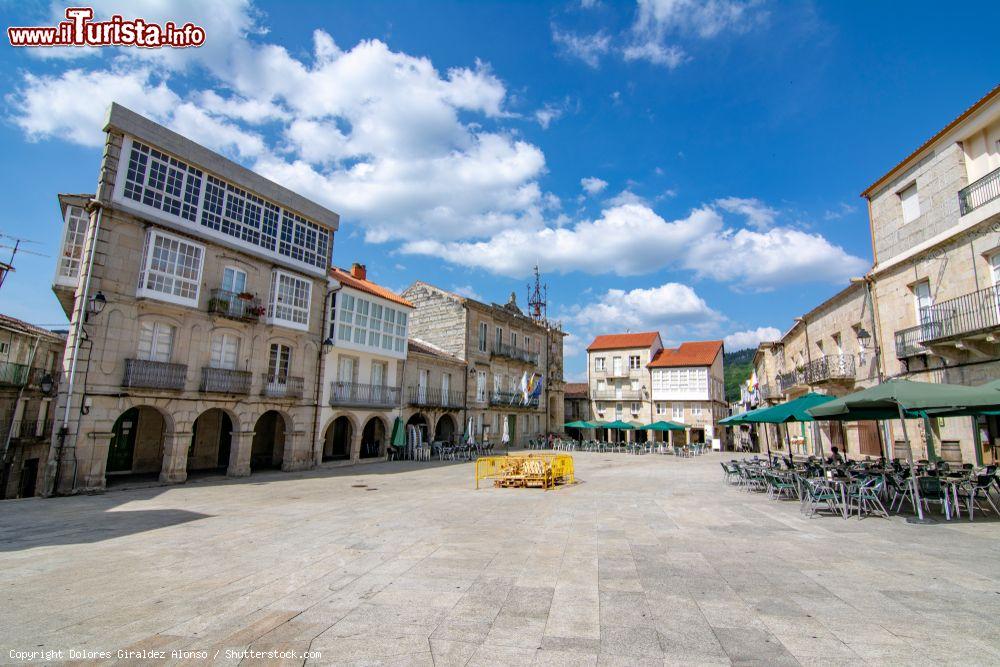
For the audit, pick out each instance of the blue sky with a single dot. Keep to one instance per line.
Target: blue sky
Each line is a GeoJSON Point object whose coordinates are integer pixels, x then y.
{"type": "Point", "coordinates": [691, 167]}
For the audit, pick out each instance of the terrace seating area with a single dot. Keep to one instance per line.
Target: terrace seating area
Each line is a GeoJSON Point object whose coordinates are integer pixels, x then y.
{"type": "Point", "coordinates": [870, 487]}
{"type": "Point", "coordinates": [637, 448]}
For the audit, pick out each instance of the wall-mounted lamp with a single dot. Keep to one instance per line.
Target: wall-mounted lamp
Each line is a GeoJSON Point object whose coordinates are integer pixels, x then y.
{"type": "Point", "coordinates": [46, 384]}
{"type": "Point", "coordinates": [95, 305]}
{"type": "Point", "coordinates": [864, 338]}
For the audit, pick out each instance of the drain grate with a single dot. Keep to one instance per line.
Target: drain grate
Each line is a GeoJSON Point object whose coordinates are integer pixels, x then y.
{"type": "Point", "coordinates": [358, 486]}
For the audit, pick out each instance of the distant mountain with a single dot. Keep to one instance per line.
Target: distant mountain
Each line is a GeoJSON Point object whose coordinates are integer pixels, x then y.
{"type": "Point", "coordinates": [738, 367]}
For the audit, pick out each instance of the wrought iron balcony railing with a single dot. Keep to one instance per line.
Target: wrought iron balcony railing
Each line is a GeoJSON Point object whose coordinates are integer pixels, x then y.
{"type": "Point", "coordinates": [513, 399]}
{"type": "Point", "coordinates": [908, 341]}
{"type": "Point", "coordinates": [790, 379]}
{"type": "Point", "coordinates": [281, 386]}
{"type": "Point", "coordinates": [979, 193]}
{"type": "Point", "coordinates": [40, 377]}
{"type": "Point", "coordinates": [829, 367]}
{"type": "Point", "coordinates": [27, 429]}
{"type": "Point", "coordinates": [153, 374]}
{"type": "Point", "coordinates": [225, 381]}
{"type": "Point", "coordinates": [434, 397]}
{"type": "Point", "coordinates": [514, 352]}
{"type": "Point", "coordinates": [974, 313]}
{"type": "Point", "coordinates": [620, 373]}
{"type": "Point", "coordinates": [618, 395]}
{"type": "Point", "coordinates": [13, 374]}
{"type": "Point", "coordinates": [371, 395]}
{"type": "Point", "coordinates": [768, 391]}
{"type": "Point", "coordinates": [236, 306]}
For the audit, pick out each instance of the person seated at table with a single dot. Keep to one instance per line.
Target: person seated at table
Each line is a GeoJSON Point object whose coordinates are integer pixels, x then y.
{"type": "Point", "coordinates": [836, 458]}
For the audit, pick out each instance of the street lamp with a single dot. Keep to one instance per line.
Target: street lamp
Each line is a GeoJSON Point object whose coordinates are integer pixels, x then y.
{"type": "Point", "coordinates": [46, 384]}
{"type": "Point", "coordinates": [95, 305]}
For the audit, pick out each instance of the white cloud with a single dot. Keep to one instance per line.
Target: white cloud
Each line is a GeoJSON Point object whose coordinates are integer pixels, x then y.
{"type": "Point", "coordinates": [631, 239]}
{"type": "Point", "coordinates": [626, 197]}
{"type": "Point", "coordinates": [758, 214]}
{"type": "Point", "coordinates": [741, 340]}
{"type": "Point", "coordinates": [467, 291]}
{"type": "Point", "coordinates": [658, 54]}
{"type": "Point", "coordinates": [588, 48]}
{"type": "Point", "coordinates": [641, 309]}
{"type": "Point", "coordinates": [547, 114]}
{"type": "Point", "coordinates": [593, 185]}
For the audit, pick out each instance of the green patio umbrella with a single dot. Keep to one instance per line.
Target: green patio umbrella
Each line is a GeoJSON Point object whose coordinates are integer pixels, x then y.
{"type": "Point", "coordinates": [618, 425]}
{"type": "Point", "coordinates": [741, 418]}
{"type": "Point", "coordinates": [577, 424]}
{"type": "Point", "coordinates": [792, 411]}
{"type": "Point", "coordinates": [663, 426]}
{"type": "Point", "coordinates": [992, 392]}
{"type": "Point", "coordinates": [398, 438]}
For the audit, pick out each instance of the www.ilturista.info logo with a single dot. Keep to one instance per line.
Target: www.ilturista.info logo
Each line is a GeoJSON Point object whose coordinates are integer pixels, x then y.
{"type": "Point", "coordinates": [80, 30]}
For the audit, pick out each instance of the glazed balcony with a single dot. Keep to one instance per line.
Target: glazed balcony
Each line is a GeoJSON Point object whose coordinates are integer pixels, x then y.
{"type": "Point", "coordinates": [618, 395]}
{"type": "Point", "coordinates": [225, 381]}
{"type": "Point", "coordinates": [243, 306]}
{"type": "Point", "coordinates": [281, 386]}
{"type": "Point", "coordinates": [979, 193]}
{"type": "Point", "coordinates": [830, 368]}
{"type": "Point", "coordinates": [515, 353]}
{"type": "Point", "coordinates": [14, 375]}
{"type": "Point", "coordinates": [363, 395]}
{"type": "Point", "coordinates": [140, 373]}
{"type": "Point", "coordinates": [514, 399]}
{"type": "Point", "coordinates": [432, 397]}
{"type": "Point", "coordinates": [970, 316]}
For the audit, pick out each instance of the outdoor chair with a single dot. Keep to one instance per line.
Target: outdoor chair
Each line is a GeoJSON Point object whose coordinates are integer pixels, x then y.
{"type": "Point", "coordinates": [901, 490]}
{"type": "Point", "coordinates": [977, 490]}
{"type": "Point", "coordinates": [932, 491]}
{"type": "Point", "coordinates": [731, 473]}
{"type": "Point", "coordinates": [818, 495]}
{"type": "Point", "coordinates": [864, 496]}
{"type": "Point", "coordinates": [778, 486]}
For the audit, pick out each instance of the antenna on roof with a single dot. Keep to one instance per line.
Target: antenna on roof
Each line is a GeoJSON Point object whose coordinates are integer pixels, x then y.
{"type": "Point", "coordinates": [8, 266]}
{"type": "Point", "coordinates": [538, 307]}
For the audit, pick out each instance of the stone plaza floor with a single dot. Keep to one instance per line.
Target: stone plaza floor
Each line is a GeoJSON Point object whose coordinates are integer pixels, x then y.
{"type": "Point", "coordinates": [649, 560]}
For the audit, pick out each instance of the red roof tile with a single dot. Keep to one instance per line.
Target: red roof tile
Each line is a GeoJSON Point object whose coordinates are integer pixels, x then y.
{"type": "Point", "coordinates": [624, 341]}
{"type": "Point", "coordinates": [344, 276]}
{"type": "Point", "coordinates": [700, 353]}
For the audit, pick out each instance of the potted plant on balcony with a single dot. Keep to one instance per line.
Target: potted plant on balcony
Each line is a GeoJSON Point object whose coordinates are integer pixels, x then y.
{"type": "Point", "coordinates": [218, 305]}
{"type": "Point", "coordinates": [245, 296]}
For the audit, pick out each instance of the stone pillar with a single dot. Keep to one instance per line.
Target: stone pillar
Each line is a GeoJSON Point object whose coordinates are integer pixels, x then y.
{"type": "Point", "coordinates": [298, 452]}
{"type": "Point", "coordinates": [355, 446]}
{"type": "Point", "coordinates": [240, 448]}
{"type": "Point", "coordinates": [175, 451]}
{"type": "Point", "coordinates": [91, 471]}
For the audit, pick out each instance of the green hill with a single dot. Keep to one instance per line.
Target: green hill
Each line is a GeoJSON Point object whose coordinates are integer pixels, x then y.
{"type": "Point", "coordinates": [738, 366]}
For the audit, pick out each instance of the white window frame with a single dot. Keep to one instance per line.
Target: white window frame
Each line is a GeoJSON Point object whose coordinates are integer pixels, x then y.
{"type": "Point", "coordinates": [484, 334]}
{"type": "Point", "coordinates": [148, 273]}
{"type": "Point", "coordinates": [909, 202]}
{"type": "Point", "coordinates": [274, 314]}
{"type": "Point", "coordinates": [661, 408]}
{"type": "Point", "coordinates": [918, 306]}
{"type": "Point", "coordinates": [157, 331]}
{"type": "Point", "coordinates": [677, 412]}
{"type": "Point", "coordinates": [70, 252]}
{"type": "Point", "coordinates": [222, 340]}
{"type": "Point", "coordinates": [480, 387]}
{"type": "Point", "coordinates": [600, 364]}
{"type": "Point", "coordinates": [634, 362]}
{"type": "Point", "coordinates": [237, 272]}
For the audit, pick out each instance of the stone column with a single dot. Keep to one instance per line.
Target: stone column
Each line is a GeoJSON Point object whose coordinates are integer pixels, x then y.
{"type": "Point", "coordinates": [298, 452]}
{"type": "Point", "coordinates": [90, 474]}
{"type": "Point", "coordinates": [175, 451]}
{"type": "Point", "coordinates": [240, 447]}
{"type": "Point", "coordinates": [356, 446]}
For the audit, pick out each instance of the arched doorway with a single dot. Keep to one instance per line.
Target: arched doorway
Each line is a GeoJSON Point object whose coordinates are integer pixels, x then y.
{"type": "Point", "coordinates": [420, 422]}
{"type": "Point", "coordinates": [268, 441]}
{"type": "Point", "coordinates": [211, 438]}
{"type": "Point", "coordinates": [337, 440]}
{"type": "Point", "coordinates": [136, 447]}
{"type": "Point", "coordinates": [373, 438]}
{"type": "Point", "coordinates": [445, 429]}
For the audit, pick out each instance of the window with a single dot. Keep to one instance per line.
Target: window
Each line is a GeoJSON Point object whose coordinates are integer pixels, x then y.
{"type": "Point", "coordinates": [74, 234]}
{"type": "Point", "coordinates": [446, 388]}
{"type": "Point", "coordinates": [498, 338]}
{"type": "Point", "coordinates": [375, 325]}
{"type": "Point", "coordinates": [225, 351]}
{"type": "Point", "coordinates": [171, 269]}
{"type": "Point", "coordinates": [344, 312]}
{"type": "Point", "coordinates": [696, 410]}
{"type": "Point", "coordinates": [513, 340]}
{"type": "Point", "coordinates": [635, 408]}
{"type": "Point", "coordinates": [600, 407]}
{"type": "Point", "coordinates": [345, 370]}
{"type": "Point", "coordinates": [482, 336]}
{"type": "Point", "coordinates": [278, 363]}
{"type": "Point", "coordinates": [616, 365]}
{"type": "Point", "coordinates": [361, 322]}
{"type": "Point", "coordinates": [995, 268]}
{"type": "Point", "coordinates": [634, 384]}
{"type": "Point", "coordinates": [677, 412]}
{"type": "Point", "coordinates": [910, 203]}
{"type": "Point", "coordinates": [618, 410]}
{"type": "Point", "coordinates": [176, 189]}
{"type": "Point", "coordinates": [481, 387]}
{"type": "Point", "coordinates": [661, 408]}
{"type": "Point", "coordinates": [156, 341]}
{"type": "Point", "coordinates": [234, 280]}
{"type": "Point", "coordinates": [370, 324]}
{"type": "Point", "coordinates": [290, 297]}
{"type": "Point", "coordinates": [922, 300]}
{"type": "Point", "coordinates": [527, 343]}
{"type": "Point", "coordinates": [4, 347]}
{"type": "Point", "coordinates": [380, 372]}
{"type": "Point", "coordinates": [497, 384]}
{"type": "Point", "coordinates": [838, 344]}
{"type": "Point", "coordinates": [599, 364]}
{"type": "Point", "coordinates": [602, 385]}
{"type": "Point", "coordinates": [634, 362]}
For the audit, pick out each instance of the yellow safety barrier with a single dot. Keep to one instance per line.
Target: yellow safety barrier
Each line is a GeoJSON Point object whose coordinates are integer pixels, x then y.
{"type": "Point", "coordinates": [526, 470]}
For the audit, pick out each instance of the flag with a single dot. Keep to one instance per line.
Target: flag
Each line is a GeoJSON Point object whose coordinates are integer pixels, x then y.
{"type": "Point", "coordinates": [536, 390]}
{"type": "Point", "coordinates": [524, 388]}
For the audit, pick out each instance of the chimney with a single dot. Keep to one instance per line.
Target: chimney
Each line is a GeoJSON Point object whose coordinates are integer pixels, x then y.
{"type": "Point", "coordinates": [358, 271]}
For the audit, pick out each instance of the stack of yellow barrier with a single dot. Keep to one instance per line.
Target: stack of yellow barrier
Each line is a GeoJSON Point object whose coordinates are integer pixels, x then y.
{"type": "Point", "coordinates": [526, 470]}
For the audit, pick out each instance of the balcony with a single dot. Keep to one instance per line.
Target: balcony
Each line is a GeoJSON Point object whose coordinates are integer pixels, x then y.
{"type": "Point", "coordinates": [40, 376]}
{"type": "Point", "coordinates": [513, 352]}
{"type": "Point", "coordinates": [281, 386]}
{"type": "Point", "coordinates": [618, 395]}
{"type": "Point", "coordinates": [12, 374]}
{"type": "Point", "coordinates": [979, 193]}
{"type": "Point", "coordinates": [969, 316]}
{"type": "Point", "coordinates": [791, 379]}
{"type": "Point", "coordinates": [244, 307]}
{"type": "Point", "coordinates": [25, 429]}
{"type": "Point", "coordinates": [144, 374]}
{"type": "Point", "coordinates": [363, 395]}
{"type": "Point", "coordinates": [225, 381]}
{"type": "Point", "coordinates": [768, 391]}
{"type": "Point", "coordinates": [830, 368]}
{"type": "Point", "coordinates": [434, 398]}
{"type": "Point", "coordinates": [514, 399]}
{"type": "Point", "coordinates": [609, 373]}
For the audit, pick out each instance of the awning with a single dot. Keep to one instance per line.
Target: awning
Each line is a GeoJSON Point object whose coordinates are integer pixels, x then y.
{"type": "Point", "coordinates": [916, 399]}
{"type": "Point", "coordinates": [663, 426]}
{"type": "Point", "coordinates": [792, 411]}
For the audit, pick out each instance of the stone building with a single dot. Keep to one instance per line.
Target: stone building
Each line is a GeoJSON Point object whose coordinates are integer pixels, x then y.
{"type": "Point", "coordinates": [195, 290]}
{"type": "Point", "coordinates": [501, 347]}
{"type": "Point", "coordinates": [366, 348]}
{"type": "Point", "coordinates": [435, 387]}
{"type": "Point", "coordinates": [30, 363]}
{"type": "Point", "coordinates": [576, 404]}
{"type": "Point", "coordinates": [618, 379]}
{"type": "Point", "coordinates": [935, 226]}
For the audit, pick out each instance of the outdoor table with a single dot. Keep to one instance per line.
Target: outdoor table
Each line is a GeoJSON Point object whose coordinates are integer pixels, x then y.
{"type": "Point", "coordinates": [839, 485]}
{"type": "Point", "coordinates": [951, 484]}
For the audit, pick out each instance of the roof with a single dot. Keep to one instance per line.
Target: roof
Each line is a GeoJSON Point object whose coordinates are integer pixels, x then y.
{"type": "Point", "coordinates": [575, 389]}
{"type": "Point", "coordinates": [510, 309]}
{"type": "Point", "coordinates": [699, 353]}
{"type": "Point", "coordinates": [345, 278]}
{"type": "Point", "coordinates": [12, 323]}
{"type": "Point", "coordinates": [624, 341]}
{"type": "Point", "coordinates": [423, 347]}
{"type": "Point", "coordinates": [924, 146]}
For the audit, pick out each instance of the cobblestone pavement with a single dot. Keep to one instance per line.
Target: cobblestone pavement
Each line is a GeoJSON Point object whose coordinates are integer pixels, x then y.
{"type": "Point", "coordinates": [649, 560]}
